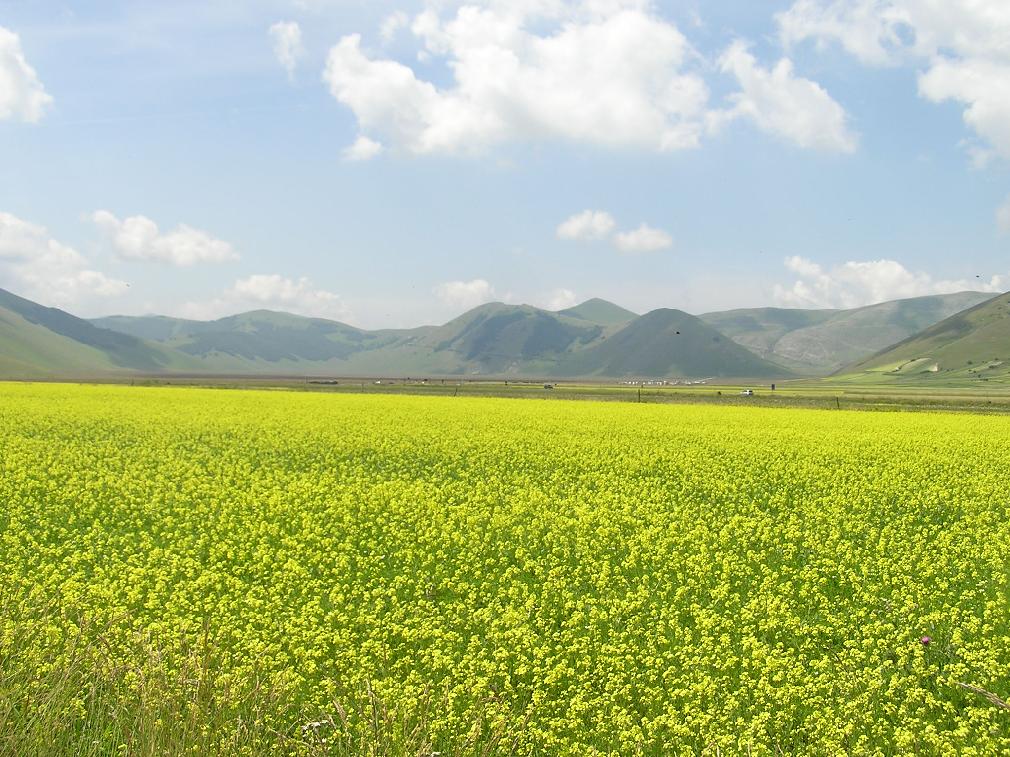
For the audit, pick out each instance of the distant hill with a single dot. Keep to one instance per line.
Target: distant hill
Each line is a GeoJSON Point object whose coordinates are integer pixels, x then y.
{"type": "Point", "coordinates": [816, 342]}
{"type": "Point", "coordinates": [668, 343]}
{"type": "Point", "coordinates": [499, 338]}
{"type": "Point", "coordinates": [256, 341]}
{"type": "Point", "coordinates": [599, 312]}
{"type": "Point", "coordinates": [969, 346]}
{"type": "Point", "coordinates": [42, 341]}
{"type": "Point", "coordinates": [156, 328]}
{"type": "Point", "coordinates": [595, 339]}
{"type": "Point", "coordinates": [486, 339]}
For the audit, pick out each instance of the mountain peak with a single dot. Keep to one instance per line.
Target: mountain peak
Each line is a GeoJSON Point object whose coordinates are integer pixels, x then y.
{"type": "Point", "coordinates": [596, 338]}
{"type": "Point", "coordinates": [600, 312]}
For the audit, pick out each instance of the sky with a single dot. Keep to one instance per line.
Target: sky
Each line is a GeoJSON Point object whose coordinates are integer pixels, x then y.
{"type": "Point", "coordinates": [391, 163]}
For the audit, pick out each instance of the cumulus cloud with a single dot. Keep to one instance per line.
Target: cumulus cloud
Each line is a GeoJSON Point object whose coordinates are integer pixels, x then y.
{"type": "Point", "coordinates": [875, 31]}
{"type": "Point", "coordinates": [961, 43]}
{"type": "Point", "coordinates": [597, 225]}
{"type": "Point", "coordinates": [271, 292]}
{"type": "Point", "coordinates": [22, 95]}
{"type": "Point", "coordinates": [363, 149]}
{"type": "Point", "coordinates": [465, 294]}
{"type": "Point", "coordinates": [783, 104]}
{"type": "Point", "coordinates": [983, 87]}
{"type": "Point", "coordinates": [561, 298]}
{"type": "Point", "coordinates": [35, 265]}
{"type": "Point", "coordinates": [288, 48]}
{"type": "Point", "coordinates": [392, 25]}
{"type": "Point", "coordinates": [604, 72]}
{"type": "Point", "coordinates": [643, 239]}
{"type": "Point", "coordinates": [138, 238]}
{"type": "Point", "coordinates": [857, 283]}
{"type": "Point", "coordinates": [587, 226]}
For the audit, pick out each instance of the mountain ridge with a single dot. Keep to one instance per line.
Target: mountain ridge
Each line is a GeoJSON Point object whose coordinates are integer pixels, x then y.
{"type": "Point", "coordinates": [495, 339]}
{"type": "Point", "coordinates": [819, 342]}
{"type": "Point", "coordinates": [595, 339]}
{"type": "Point", "coordinates": [971, 345]}
{"type": "Point", "coordinates": [40, 340]}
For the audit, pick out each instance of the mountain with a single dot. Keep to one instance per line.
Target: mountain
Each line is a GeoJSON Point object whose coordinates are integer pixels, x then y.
{"type": "Point", "coordinates": [600, 312]}
{"type": "Point", "coordinates": [42, 341]}
{"type": "Point", "coordinates": [155, 328]}
{"type": "Point", "coordinates": [258, 341]}
{"type": "Point", "coordinates": [499, 338]}
{"type": "Point", "coordinates": [668, 343]}
{"type": "Point", "coordinates": [594, 339]}
{"type": "Point", "coordinates": [969, 346]}
{"type": "Point", "coordinates": [822, 341]}
{"type": "Point", "coordinates": [492, 339]}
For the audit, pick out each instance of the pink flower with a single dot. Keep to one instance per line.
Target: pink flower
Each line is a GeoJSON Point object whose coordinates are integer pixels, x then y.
{"type": "Point", "coordinates": [925, 641]}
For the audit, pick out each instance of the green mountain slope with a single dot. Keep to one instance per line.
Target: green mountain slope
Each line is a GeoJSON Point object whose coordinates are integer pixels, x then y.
{"type": "Point", "coordinates": [669, 343]}
{"type": "Point", "coordinates": [596, 338]}
{"type": "Point", "coordinates": [155, 328]}
{"type": "Point", "coordinates": [600, 312]}
{"type": "Point", "coordinates": [498, 338]}
{"type": "Point", "coordinates": [821, 341]}
{"type": "Point", "coordinates": [37, 340]}
{"type": "Point", "coordinates": [259, 341]}
{"type": "Point", "coordinates": [972, 345]}
{"type": "Point", "coordinates": [490, 339]}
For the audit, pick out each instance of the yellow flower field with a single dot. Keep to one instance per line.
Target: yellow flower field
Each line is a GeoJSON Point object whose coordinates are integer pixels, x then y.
{"type": "Point", "coordinates": [213, 571]}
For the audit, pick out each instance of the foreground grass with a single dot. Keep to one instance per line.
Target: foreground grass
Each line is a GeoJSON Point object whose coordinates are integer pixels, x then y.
{"type": "Point", "coordinates": [74, 694]}
{"type": "Point", "coordinates": [207, 572]}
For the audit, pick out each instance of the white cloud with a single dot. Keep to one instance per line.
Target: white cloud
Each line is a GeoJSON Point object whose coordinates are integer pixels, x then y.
{"type": "Point", "coordinates": [875, 31]}
{"type": "Point", "coordinates": [587, 226]}
{"type": "Point", "coordinates": [465, 294]}
{"type": "Point", "coordinates": [982, 86]}
{"type": "Point", "coordinates": [962, 43]}
{"type": "Point", "coordinates": [138, 238]}
{"type": "Point", "coordinates": [781, 103]}
{"type": "Point", "coordinates": [560, 299]}
{"type": "Point", "coordinates": [597, 225]}
{"type": "Point", "coordinates": [22, 95]}
{"type": "Point", "coordinates": [392, 25]}
{"type": "Point", "coordinates": [271, 292]}
{"type": "Point", "coordinates": [1003, 216]}
{"type": "Point", "coordinates": [35, 265]}
{"type": "Point", "coordinates": [363, 149]}
{"type": "Point", "coordinates": [857, 283]}
{"type": "Point", "coordinates": [288, 48]}
{"type": "Point", "coordinates": [609, 72]}
{"type": "Point", "coordinates": [643, 239]}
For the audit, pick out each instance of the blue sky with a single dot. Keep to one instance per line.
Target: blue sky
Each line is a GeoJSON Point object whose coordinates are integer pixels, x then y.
{"type": "Point", "coordinates": [393, 163]}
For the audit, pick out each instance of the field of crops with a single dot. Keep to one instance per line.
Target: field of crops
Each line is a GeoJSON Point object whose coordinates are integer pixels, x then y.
{"type": "Point", "coordinates": [212, 571]}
